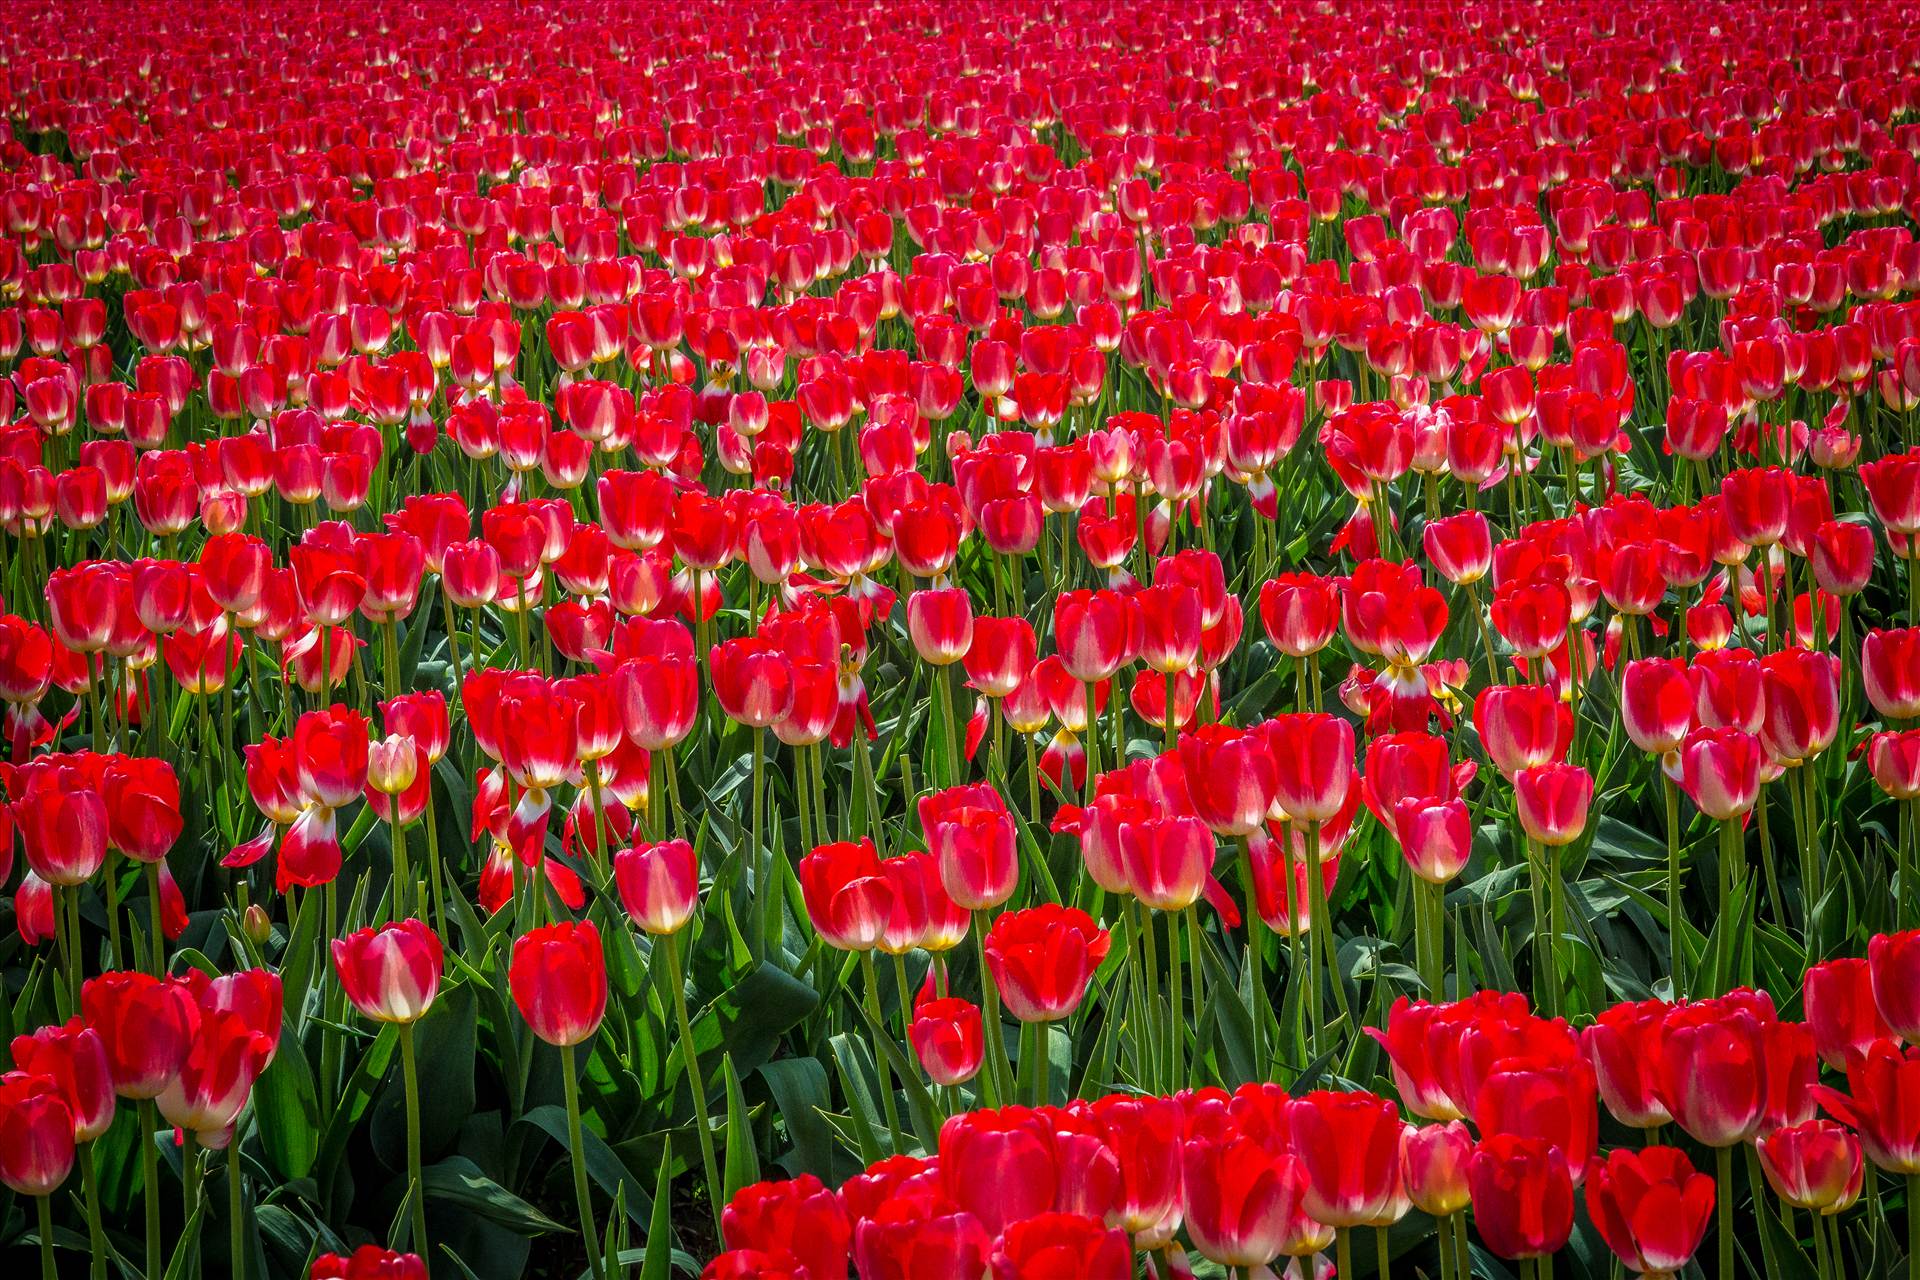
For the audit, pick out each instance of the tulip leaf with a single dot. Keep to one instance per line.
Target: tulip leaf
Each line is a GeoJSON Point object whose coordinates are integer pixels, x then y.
{"type": "Point", "coordinates": [919, 1101]}
{"type": "Point", "coordinates": [445, 1045]}
{"type": "Point", "coordinates": [604, 1165]}
{"type": "Point", "coordinates": [458, 1182]}
{"type": "Point", "coordinates": [800, 1090]}
{"type": "Point", "coordinates": [657, 1258]}
{"type": "Point", "coordinates": [287, 1110]}
{"type": "Point", "coordinates": [742, 1160]}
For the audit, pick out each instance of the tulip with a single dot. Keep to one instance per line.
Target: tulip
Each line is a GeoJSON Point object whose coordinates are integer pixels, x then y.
{"type": "Point", "coordinates": [1552, 802]}
{"type": "Point", "coordinates": [659, 885]}
{"type": "Point", "coordinates": [1816, 1165]}
{"type": "Point", "coordinates": [1244, 1204]}
{"type": "Point", "coordinates": [971, 833]}
{"type": "Point", "coordinates": [390, 974]}
{"type": "Point", "coordinates": [1522, 726]}
{"type": "Point", "coordinates": [1712, 1069]}
{"type": "Point", "coordinates": [1651, 1208]}
{"type": "Point", "coordinates": [36, 1141]}
{"type": "Point", "coordinates": [948, 1040]}
{"type": "Point", "coordinates": [1042, 960]}
{"type": "Point", "coordinates": [1095, 633]}
{"type": "Point", "coordinates": [1433, 1162]}
{"type": "Point", "coordinates": [1890, 670]}
{"type": "Point", "coordinates": [1349, 1144]}
{"type": "Point", "coordinates": [848, 898]}
{"type": "Point", "coordinates": [1893, 965]}
{"type": "Point", "coordinates": [1061, 1244]}
{"type": "Point", "coordinates": [905, 1243]}
{"type": "Point", "coordinates": [1166, 861]}
{"type": "Point", "coordinates": [940, 623]}
{"type": "Point", "coordinates": [227, 1054]}
{"type": "Point", "coordinates": [1522, 1196]}
{"type": "Point", "coordinates": [74, 1057]}
{"type": "Point", "coordinates": [1623, 1044]}
{"type": "Point", "coordinates": [755, 1264]}
{"type": "Point", "coordinates": [999, 1166]}
{"type": "Point", "coordinates": [1312, 758]}
{"type": "Point", "coordinates": [1894, 761]}
{"type": "Point", "coordinates": [1300, 613]}
{"type": "Point", "coordinates": [1145, 1136]}
{"type": "Point", "coordinates": [558, 977]}
{"type": "Point", "coordinates": [368, 1262]}
{"type": "Point", "coordinates": [1883, 1082]}
{"type": "Point", "coordinates": [1231, 778]}
{"type": "Point", "coordinates": [1842, 1014]}
{"type": "Point", "coordinates": [329, 751]}
{"type": "Point", "coordinates": [801, 1217]}
{"type": "Point", "coordinates": [1460, 547]}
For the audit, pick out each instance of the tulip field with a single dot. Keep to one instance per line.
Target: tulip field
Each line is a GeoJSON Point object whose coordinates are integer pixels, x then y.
{"type": "Point", "coordinates": [1034, 639]}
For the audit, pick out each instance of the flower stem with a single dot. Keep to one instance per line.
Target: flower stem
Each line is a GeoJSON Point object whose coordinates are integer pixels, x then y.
{"type": "Point", "coordinates": [96, 1228]}
{"type": "Point", "coordinates": [696, 1083]}
{"type": "Point", "coordinates": [150, 1185]}
{"type": "Point", "coordinates": [577, 1148]}
{"type": "Point", "coordinates": [236, 1223]}
{"type": "Point", "coordinates": [1676, 952]}
{"type": "Point", "coordinates": [416, 1193]}
{"type": "Point", "coordinates": [1724, 1157]}
{"type": "Point", "coordinates": [881, 1069]}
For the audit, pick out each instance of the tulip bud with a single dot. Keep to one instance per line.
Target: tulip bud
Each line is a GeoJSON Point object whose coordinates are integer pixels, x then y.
{"type": "Point", "coordinates": [256, 924]}
{"type": "Point", "coordinates": [393, 763]}
{"type": "Point", "coordinates": [1434, 1162]}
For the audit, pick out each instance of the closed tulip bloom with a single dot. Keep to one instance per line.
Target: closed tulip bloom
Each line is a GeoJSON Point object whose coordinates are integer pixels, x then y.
{"type": "Point", "coordinates": [753, 681]}
{"type": "Point", "coordinates": [36, 1134]}
{"type": "Point", "coordinates": [226, 1057]}
{"type": "Point", "coordinates": [1167, 861]}
{"type": "Point", "coordinates": [1550, 1100]}
{"type": "Point", "coordinates": [1349, 1144]}
{"type": "Point", "coordinates": [1522, 726]}
{"type": "Point", "coordinates": [64, 832]}
{"type": "Point", "coordinates": [659, 697]}
{"type": "Point", "coordinates": [1656, 703]}
{"type": "Point", "coordinates": [393, 763]}
{"type": "Point", "coordinates": [1231, 777]}
{"type": "Point", "coordinates": [1000, 655]}
{"type": "Point", "coordinates": [1623, 1044]}
{"type": "Point", "coordinates": [906, 1241]}
{"type": "Point", "coordinates": [1145, 1136]}
{"type": "Point", "coordinates": [146, 1025]}
{"type": "Point", "coordinates": [659, 884]}
{"type": "Point", "coordinates": [1841, 1011]}
{"type": "Point", "coordinates": [755, 1264]}
{"type": "Point", "coordinates": [1720, 771]}
{"type": "Point", "coordinates": [1893, 490]}
{"type": "Point", "coordinates": [1095, 633]}
{"type": "Point", "coordinates": [1841, 553]}
{"type": "Point", "coordinates": [1062, 1244]}
{"type": "Point", "coordinates": [972, 835]}
{"type": "Point", "coordinates": [1460, 547]}
{"type": "Point", "coordinates": [799, 1216]}
{"type": "Point", "coordinates": [1651, 1206]}
{"type": "Point", "coordinates": [1532, 616]}
{"type": "Point", "coordinates": [1712, 1073]}
{"type": "Point", "coordinates": [1552, 802]}
{"type": "Point", "coordinates": [1312, 755]}
{"type": "Point", "coordinates": [1433, 1161]}
{"type": "Point", "coordinates": [1890, 670]}
{"type": "Point", "coordinates": [1042, 960]}
{"type": "Point", "coordinates": [1436, 836]}
{"type": "Point", "coordinates": [1522, 1196]}
{"type": "Point", "coordinates": [143, 807]}
{"type": "Point", "coordinates": [558, 976]}
{"type": "Point", "coordinates": [1893, 966]}
{"type": "Point", "coordinates": [368, 1262]}
{"type": "Point", "coordinates": [1879, 1105]}
{"type": "Point", "coordinates": [940, 624]}
{"type": "Point", "coordinates": [1242, 1200]}
{"type": "Point", "coordinates": [1103, 832]}
{"type": "Point", "coordinates": [1894, 761]}
{"type": "Point", "coordinates": [73, 1056]}
{"type": "Point", "coordinates": [1817, 1165]}
{"type": "Point", "coordinates": [391, 974]}
{"type": "Point", "coordinates": [849, 899]}
{"type": "Point", "coordinates": [1802, 704]}
{"type": "Point", "coordinates": [949, 1039]}
{"type": "Point", "coordinates": [1300, 612]}
{"type": "Point", "coordinates": [999, 1166]}
{"type": "Point", "coordinates": [330, 755]}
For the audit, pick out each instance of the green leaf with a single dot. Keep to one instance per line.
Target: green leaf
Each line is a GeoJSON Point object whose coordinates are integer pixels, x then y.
{"type": "Point", "coordinates": [743, 1162]}
{"type": "Point", "coordinates": [604, 1166]}
{"type": "Point", "coordinates": [457, 1181]}
{"type": "Point", "coordinates": [658, 1259]}
{"type": "Point", "coordinates": [287, 1110]}
{"type": "Point", "coordinates": [800, 1090]}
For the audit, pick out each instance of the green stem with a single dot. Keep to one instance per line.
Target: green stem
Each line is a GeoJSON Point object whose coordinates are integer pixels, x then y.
{"type": "Point", "coordinates": [96, 1228]}
{"type": "Point", "coordinates": [150, 1185]}
{"type": "Point", "coordinates": [881, 1069]}
{"type": "Point", "coordinates": [999, 1070]}
{"type": "Point", "coordinates": [1258, 1002]}
{"type": "Point", "coordinates": [1343, 1251]}
{"type": "Point", "coordinates": [236, 1221]}
{"type": "Point", "coordinates": [769, 892]}
{"type": "Point", "coordinates": [416, 1192]}
{"type": "Point", "coordinates": [402, 874]}
{"type": "Point", "coordinates": [1382, 1253]}
{"type": "Point", "coordinates": [1913, 1193]}
{"type": "Point", "coordinates": [1176, 1031]}
{"type": "Point", "coordinates": [577, 1152]}
{"type": "Point", "coordinates": [189, 1174]}
{"type": "Point", "coordinates": [155, 920]}
{"type": "Point", "coordinates": [1724, 1159]}
{"type": "Point", "coordinates": [1676, 951]}
{"type": "Point", "coordinates": [696, 1083]}
{"type": "Point", "coordinates": [43, 1205]}
{"type": "Point", "coordinates": [1323, 922]}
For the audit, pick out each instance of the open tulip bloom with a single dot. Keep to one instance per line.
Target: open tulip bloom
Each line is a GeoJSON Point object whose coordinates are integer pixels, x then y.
{"type": "Point", "coordinates": [1019, 641]}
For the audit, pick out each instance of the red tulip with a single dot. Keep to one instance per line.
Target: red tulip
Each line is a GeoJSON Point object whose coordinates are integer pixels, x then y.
{"type": "Point", "coordinates": [422, 717]}
{"type": "Point", "coordinates": [1841, 1012]}
{"type": "Point", "coordinates": [753, 681]}
{"type": "Point", "coordinates": [1166, 861]}
{"type": "Point", "coordinates": [1000, 655]}
{"type": "Point", "coordinates": [1543, 1099]}
{"type": "Point", "coordinates": [1651, 1207]}
{"type": "Point", "coordinates": [1244, 1204]}
{"type": "Point", "coordinates": [948, 1038]}
{"type": "Point", "coordinates": [1656, 704]}
{"type": "Point", "coordinates": [1720, 771]}
{"type": "Point", "coordinates": [1884, 1082]}
{"type": "Point", "coordinates": [1890, 670]}
{"type": "Point", "coordinates": [390, 974]}
{"type": "Point", "coordinates": [1893, 964]}
{"type": "Point", "coordinates": [1171, 622]}
{"type": "Point", "coordinates": [1893, 490]}
{"type": "Point", "coordinates": [368, 1262]}
{"type": "Point", "coordinates": [1144, 1135]}
{"type": "Point", "coordinates": [1623, 1044]}
{"type": "Point", "coordinates": [73, 1056]}
{"type": "Point", "coordinates": [558, 977]}
{"type": "Point", "coordinates": [1841, 554]}
{"type": "Point", "coordinates": [1460, 547]}
{"type": "Point", "coordinates": [903, 1242]}
{"type": "Point", "coordinates": [1532, 615]}
{"type": "Point", "coordinates": [146, 1025]}
{"type": "Point", "coordinates": [1522, 1196]}
{"type": "Point", "coordinates": [1713, 1072]}
{"type": "Point", "coordinates": [1815, 1165]}
{"type": "Point", "coordinates": [755, 1264]}
{"type": "Point", "coordinates": [1095, 633]}
{"type": "Point", "coordinates": [1433, 1161]}
{"type": "Point", "coordinates": [63, 827]}
{"type": "Point", "coordinates": [228, 1053]}
{"type": "Point", "coordinates": [940, 624]}
{"type": "Point", "coordinates": [800, 1216]}
{"type": "Point", "coordinates": [970, 831]}
{"type": "Point", "coordinates": [1435, 836]}
{"type": "Point", "coordinates": [999, 1166]}
{"type": "Point", "coordinates": [1062, 1244]}
{"type": "Point", "coordinates": [1312, 758]}
{"type": "Point", "coordinates": [847, 894]}
{"type": "Point", "coordinates": [329, 751]}
{"type": "Point", "coordinates": [1042, 960]}
{"type": "Point", "coordinates": [1349, 1144]}
{"type": "Point", "coordinates": [1231, 776]}
{"type": "Point", "coordinates": [1300, 612]}
{"type": "Point", "coordinates": [36, 1134]}
{"type": "Point", "coordinates": [1894, 761]}
{"type": "Point", "coordinates": [1522, 726]}
{"type": "Point", "coordinates": [659, 884]}
{"type": "Point", "coordinates": [1552, 801]}
{"type": "Point", "coordinates": [1802, 704]}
